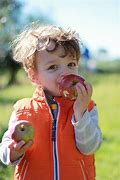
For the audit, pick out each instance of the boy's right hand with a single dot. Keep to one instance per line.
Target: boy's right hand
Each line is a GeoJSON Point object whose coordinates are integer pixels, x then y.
{"type": "Point", "coordinates": [18, 149]}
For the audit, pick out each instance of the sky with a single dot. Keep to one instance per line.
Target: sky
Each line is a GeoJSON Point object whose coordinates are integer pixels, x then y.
{"type": "Point", "coordinates": [96, 21]}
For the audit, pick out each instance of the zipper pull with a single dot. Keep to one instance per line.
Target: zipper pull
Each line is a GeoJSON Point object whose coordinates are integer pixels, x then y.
{"type": "Point", "coordinates": [54, 111]}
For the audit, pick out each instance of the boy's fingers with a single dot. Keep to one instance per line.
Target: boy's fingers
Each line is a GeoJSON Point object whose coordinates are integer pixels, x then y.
{"type": "Point", "coordinates": [27, 145]}
{"type": "Point", "coordinates": [19, 145]}
{"type": "Point", "coordinates": [11, 145]}
{"type": "Point", "coordinates": [89, 88]}
{"type": "Point", "coordinates": [81, 89]}
{"type": "Point", "coordinates": [22, 146]}
{"type": "Point", "coordinates": [16, 145]}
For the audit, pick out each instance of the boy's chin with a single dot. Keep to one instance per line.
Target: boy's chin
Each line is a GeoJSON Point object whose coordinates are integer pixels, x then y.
{"type": "Point", "coordinates": [51, 92]}
{"type": "Point", "coordinates": [56, 94]}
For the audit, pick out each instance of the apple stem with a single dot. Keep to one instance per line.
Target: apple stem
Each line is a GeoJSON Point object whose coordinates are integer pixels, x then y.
{"type": "Point", "coordinates": [74, 82]}
{"type": "Point", "coordinates": [22, 127]}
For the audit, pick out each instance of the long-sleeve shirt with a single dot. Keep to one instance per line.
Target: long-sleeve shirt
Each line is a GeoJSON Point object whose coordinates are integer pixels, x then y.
{"type": "Point", "coordinates": [88, 135]}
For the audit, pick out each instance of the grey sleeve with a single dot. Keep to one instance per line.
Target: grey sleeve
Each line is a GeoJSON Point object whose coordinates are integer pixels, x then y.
{"type": "Point", "coordinates": [88, 135]}
{"type": "Point", "coordinates": [6, 141]}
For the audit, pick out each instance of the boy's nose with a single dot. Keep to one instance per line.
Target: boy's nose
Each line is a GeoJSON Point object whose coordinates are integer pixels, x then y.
{"type": "Point", "coordinates": [64, 72]}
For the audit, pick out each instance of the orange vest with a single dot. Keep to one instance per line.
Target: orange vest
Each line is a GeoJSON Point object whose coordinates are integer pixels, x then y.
{"type": "Point", "coordinates": [45, 157]}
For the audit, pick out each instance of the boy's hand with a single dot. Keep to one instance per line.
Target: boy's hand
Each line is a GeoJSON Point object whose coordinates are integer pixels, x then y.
{"type": "Point", "coordinates": [83, 99]}
{"type": "Point", "coordinates": [18, 149]}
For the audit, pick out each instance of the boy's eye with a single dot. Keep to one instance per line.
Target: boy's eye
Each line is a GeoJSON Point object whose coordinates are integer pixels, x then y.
{"type": "Point", "coordinates": [72, 64]}
{"type": "Point", "coordinates": [52, 67]}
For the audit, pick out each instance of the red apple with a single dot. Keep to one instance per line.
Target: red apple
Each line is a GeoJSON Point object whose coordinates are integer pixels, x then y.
{"type": "Point", "coordinates": [67, 86]}
{"type": "Point", "coordinates": [22, 130]}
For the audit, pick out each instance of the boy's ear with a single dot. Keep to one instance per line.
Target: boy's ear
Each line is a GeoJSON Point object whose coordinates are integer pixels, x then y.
{"type": "Point", "coordinates": [33, 76]}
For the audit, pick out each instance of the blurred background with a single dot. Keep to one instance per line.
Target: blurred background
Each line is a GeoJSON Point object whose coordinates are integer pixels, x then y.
{"type": "Point", "coordinates": [98, 25]}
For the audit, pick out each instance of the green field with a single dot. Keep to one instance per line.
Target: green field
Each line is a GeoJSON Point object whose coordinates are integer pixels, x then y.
{"type": "Point", "coordinates": [106, 95]}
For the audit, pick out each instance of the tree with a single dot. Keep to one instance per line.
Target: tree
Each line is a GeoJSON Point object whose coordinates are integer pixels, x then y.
{"type": "Point", "coordinates": [9, 26]}
{"type": "Point", "coordinates": [11, 22]}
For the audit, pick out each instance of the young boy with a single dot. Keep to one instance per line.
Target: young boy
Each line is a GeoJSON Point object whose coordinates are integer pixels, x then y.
{"type": "Point", "coordinates": [66, 132]}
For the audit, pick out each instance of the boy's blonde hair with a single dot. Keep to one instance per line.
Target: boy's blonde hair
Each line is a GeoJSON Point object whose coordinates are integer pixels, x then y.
{"type": "Point", "coordinates": [38, 37]}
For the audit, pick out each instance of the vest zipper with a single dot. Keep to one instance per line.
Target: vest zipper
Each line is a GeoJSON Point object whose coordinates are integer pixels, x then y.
{"type": "Point", "coordinates": [54, 129]}
{"type": "Point", "coordinates": [55, 147]}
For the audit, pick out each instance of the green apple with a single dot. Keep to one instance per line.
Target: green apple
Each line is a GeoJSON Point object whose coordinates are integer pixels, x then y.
{"type": "Point", "coordinates": [22, 130]}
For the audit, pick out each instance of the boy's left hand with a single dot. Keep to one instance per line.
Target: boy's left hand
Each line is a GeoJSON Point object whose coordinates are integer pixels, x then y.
{"type": "Point", "coordinates": [83, 99]}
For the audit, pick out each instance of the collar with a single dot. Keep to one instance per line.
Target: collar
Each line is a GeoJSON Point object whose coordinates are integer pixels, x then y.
{"type": "Point", "coordinates": [42, 96]}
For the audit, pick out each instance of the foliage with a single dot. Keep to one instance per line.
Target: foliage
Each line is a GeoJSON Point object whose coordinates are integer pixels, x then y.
{"type": "Point", "coordinates": [108, 66]}
{"type": "Point", "coordinates": [9, 26]}
{"type": "Point", "coordinates": [6, 173]}
{"type": "Point", "coordinates": [9, 23]}
{"type": "Point", "coordinates": [12, 21]}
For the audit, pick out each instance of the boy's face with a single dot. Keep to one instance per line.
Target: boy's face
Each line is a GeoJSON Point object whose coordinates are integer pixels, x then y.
{"type": "Point", "coordinates": [51, 67]}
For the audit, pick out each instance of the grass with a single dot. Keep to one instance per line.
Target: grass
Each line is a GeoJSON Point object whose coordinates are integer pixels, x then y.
{"type": "Point", "coordinates": [106, 95]}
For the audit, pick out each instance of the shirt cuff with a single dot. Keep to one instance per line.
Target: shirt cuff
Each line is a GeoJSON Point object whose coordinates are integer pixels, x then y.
{"type": "Point", "coordinates": [82, 121]}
